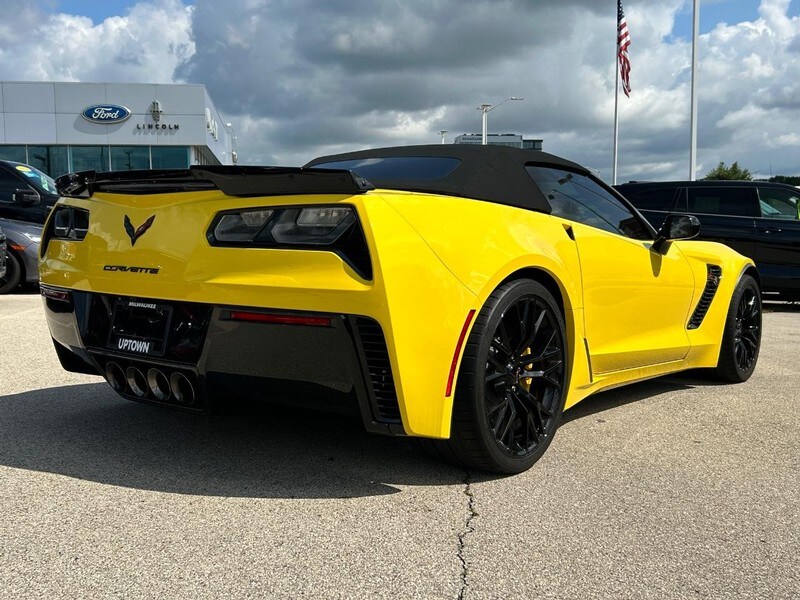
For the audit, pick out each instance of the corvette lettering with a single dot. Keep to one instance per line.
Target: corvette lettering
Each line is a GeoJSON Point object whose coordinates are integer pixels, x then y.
{"type": "Point", "coordinates": [133, 345]}
{"type": "Point", "coordinates": [148, 270]}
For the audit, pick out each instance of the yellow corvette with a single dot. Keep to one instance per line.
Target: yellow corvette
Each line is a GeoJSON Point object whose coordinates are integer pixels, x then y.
{"type": "Point", "coordinates": [465, 294]}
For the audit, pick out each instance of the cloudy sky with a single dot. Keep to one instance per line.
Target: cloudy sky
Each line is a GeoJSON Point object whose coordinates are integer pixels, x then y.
{"type": "Point", "coordinates": [300, 78]}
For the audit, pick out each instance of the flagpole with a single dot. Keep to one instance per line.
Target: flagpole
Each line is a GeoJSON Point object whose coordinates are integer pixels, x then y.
{"type": "Point", "coordinates": [616, 119]}
{"type": "Point", "coordinates": [693, 143]}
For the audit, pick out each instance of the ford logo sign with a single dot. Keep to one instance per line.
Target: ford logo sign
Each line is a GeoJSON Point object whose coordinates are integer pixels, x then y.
{"type": "Point", "coordinates": [106, 113]}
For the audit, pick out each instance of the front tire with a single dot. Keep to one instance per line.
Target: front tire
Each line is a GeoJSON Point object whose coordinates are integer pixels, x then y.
{"type": "Point", "coordinates": [512, 382]}
{"type": "Point", "coordinates": [741, 340]}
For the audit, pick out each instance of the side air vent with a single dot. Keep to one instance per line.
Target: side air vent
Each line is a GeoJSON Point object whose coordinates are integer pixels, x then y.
{"type": "Point", "coordinates": [378, 370]}
{"type": "Point", "coordinates": [712, 283]}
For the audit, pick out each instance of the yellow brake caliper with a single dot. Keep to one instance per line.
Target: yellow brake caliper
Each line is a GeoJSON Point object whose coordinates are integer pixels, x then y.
{"type": "Point", "coordinates": [525, 382]}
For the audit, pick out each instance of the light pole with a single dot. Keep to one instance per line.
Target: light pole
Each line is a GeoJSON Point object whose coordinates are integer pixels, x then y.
{"type": "Point", "coordinates": [443, 132]}
{"type": "Point", "coordinates": [485, 108]}
{"type": "Point", "coordinates": [234, 155]}
{"type": "Point", "coordinates": [693, 109]}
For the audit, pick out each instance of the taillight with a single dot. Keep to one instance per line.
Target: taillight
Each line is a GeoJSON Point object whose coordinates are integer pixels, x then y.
{"type": "Point", "coordinates": [320, 225]}
{"type": "Point", "coordinates": [328, 227]}
{"type": "Point", "coordinates": [66, 223]}
{"type": "Point", "coordinates": [241, 226]}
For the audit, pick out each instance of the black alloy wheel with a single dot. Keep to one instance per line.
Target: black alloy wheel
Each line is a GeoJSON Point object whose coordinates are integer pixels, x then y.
{"type": "Point", "coordinates": [741, 340]}
{"type": "Point", "coordinates": [512, 382]}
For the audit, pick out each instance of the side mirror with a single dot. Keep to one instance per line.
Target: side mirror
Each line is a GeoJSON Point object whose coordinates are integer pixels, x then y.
{"type": "Point", "coordinates": [676, 227]}
{"type": "Point", "coordinates": [26, 197]}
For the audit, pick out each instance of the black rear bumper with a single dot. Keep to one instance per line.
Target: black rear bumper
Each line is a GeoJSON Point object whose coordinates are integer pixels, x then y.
{"type": "Point", "coordinates": [209, 354]}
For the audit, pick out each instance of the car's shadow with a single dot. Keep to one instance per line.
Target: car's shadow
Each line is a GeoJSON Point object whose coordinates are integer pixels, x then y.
{"type": "Point", "coordinates": [635, 392]}
{"type": "Point", "coordinates": [87, 432]}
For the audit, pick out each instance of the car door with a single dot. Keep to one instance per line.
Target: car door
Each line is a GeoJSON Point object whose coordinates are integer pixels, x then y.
{"type": "Point", "coordinates": [727, 214]}
{"type": "Point", "coordinates": [778, 242]}
{"type": "Point", "coordinates": [636, 301]}
{"type": "Point", "coordinates": [9, 184]}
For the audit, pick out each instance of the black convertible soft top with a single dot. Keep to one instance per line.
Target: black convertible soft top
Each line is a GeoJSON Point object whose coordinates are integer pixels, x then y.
{"type": "Point", "coordinates": [493, 173]}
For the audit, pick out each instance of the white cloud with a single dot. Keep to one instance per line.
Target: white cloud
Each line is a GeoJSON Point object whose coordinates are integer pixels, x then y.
{"type": "Point", "coordinates": [145, 45]}
{"type": "Point", "coordinates": [300, 78]}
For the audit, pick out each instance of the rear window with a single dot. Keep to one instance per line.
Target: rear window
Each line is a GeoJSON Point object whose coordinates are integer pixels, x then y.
{"type": "Point", "coordinates": [399, 168]}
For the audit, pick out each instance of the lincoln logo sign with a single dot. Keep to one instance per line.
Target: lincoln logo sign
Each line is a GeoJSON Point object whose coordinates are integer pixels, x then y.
{"type": "Point", "coordinates": [106, 113]}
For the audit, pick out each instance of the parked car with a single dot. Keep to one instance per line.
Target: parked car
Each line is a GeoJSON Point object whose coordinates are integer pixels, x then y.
{"type": "Point", "coordinates": [465, 294]}
{"type": "Point", "coordinates": [26, 197]}
{"type": "Point", "coordinates": [2, 256]}
{"type": "Point", "coordinates": [758, 219]}
{"type": "Point", "coordinates": [26, 194]}
{"type": "Point", "coordinates": [22, 254]}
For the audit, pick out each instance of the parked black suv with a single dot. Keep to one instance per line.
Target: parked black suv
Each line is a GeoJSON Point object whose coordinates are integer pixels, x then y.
{"type": "Point", "coordinates": [758, 219]}
{"type": "Point", "coordinates": [26, 194]}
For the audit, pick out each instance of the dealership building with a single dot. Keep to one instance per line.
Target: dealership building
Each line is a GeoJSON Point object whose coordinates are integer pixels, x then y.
{"type": "Point", "coordinates": [64, 127]}
{"type": "Point", "coordinates": [513, 140]}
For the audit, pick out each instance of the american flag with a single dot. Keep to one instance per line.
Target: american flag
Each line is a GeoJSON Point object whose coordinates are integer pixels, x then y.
{"type": "Point", "coordinates": [623, 41]}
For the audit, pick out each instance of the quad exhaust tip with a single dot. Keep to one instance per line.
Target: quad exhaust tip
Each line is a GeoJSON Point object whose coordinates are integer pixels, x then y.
{"type": "Point", "coordinates": [115, 377]}
{"type": "Point", "coordinates": [155, 384]}
{"type": "Point", "coordinates": [182, 388]}
{"type": "Point", "coordinates": [137, 382]}
{"type": "Point", "coordinates": [159, 384]}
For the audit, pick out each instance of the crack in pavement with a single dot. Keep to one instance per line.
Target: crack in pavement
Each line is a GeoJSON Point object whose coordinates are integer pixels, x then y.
{"type": "Point", "coordinates": [462, 537]}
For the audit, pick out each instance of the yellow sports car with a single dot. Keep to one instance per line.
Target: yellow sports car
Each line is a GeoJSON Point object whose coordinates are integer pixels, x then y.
{"type": "Point", "coordinates": [464, 294]}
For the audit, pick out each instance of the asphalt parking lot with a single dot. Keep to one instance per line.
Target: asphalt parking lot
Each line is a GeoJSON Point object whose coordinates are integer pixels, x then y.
{"type": "Point", "coordinates": [673, 488]}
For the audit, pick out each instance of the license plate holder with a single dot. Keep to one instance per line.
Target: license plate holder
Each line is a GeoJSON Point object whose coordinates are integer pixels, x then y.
{"type": "Point", "coordinates": [140, 327]}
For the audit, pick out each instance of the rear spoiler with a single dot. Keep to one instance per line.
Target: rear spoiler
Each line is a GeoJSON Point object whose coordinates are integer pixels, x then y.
{"type": "Point", "coordinates": [231, 180]}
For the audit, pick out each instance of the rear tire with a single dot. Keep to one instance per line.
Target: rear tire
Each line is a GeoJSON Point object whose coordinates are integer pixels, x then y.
{"type": "Point", "coordinates": [512, 382]}
{"type": "Point", "coordinates": [741, 340]}
{"type": "Point", "coordinates": [10, 281]}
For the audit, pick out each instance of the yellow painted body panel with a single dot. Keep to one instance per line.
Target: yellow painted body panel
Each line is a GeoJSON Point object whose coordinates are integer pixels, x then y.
{"type": "Point", "coordinates": [637, 301]}
{"type": "Point", "coordinates": [435, 258]}
{"type": "Point", "coordinates": [420, 305]}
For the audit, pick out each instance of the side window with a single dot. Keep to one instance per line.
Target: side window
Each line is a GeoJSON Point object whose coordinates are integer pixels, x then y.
{"type": "Point", "coordinates": [732, 201]}
{"type": "Point", "coordinates": [779, 204]}
{"type": "Point", "coordinates": [653, 199]}
{"type": "Point", "coordinates": [8, 185]}
{"type": "Point", "coordinates": [578, 198]}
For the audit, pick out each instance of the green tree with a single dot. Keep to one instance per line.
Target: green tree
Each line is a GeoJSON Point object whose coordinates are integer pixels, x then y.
{"type": "Point", "coordinates": [791, 179]}
{"type": "Point", "coordinates": [732, 172]}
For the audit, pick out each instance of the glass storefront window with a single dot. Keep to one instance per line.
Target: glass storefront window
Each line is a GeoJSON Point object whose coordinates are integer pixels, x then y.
{"type": "Point", "coordinates": [60, 160]}
{"type": "Point", "coordinates": [129, 158]}
{"type": "Point", "coordinates": [170, 157]}
{"type": "Point", "coordinates": [89, 158]}
{"type": "Point", "coordinates": [50, 159]}
{"type": "Point", "coordinates": [15, 153]}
